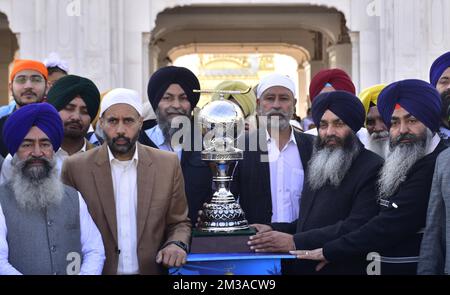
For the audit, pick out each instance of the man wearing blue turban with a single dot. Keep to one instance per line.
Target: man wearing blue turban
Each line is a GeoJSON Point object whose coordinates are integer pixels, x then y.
{"type": "Point", "coordinates": [42, 221]}
{"type": "Point", "coordinates": [440, 78]}
{"type": "Point", "coordinates": [339, 193]}
{"type": "Point", "coordinates": [410, 109]}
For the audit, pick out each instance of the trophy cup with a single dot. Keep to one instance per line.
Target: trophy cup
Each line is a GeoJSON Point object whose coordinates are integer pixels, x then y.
{"type": "Point", "coordinates": [222, 227]}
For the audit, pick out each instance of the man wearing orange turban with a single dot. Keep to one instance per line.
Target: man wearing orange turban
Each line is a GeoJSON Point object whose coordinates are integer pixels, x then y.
{"type": "Point", "coordinates": [28, 84]}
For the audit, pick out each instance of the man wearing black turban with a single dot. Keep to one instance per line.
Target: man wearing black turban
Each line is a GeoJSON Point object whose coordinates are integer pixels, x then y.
{"type": "Point", "coordinates": [339, 192]}
{"type": "Point", "coordinates": [171, 94]}
{"type": "Point", "coordinates": [411, 110]}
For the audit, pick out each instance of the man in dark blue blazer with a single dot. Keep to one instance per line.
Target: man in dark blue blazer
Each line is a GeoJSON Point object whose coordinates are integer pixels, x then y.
{"type": "Point", "coordinates": [411, 110]}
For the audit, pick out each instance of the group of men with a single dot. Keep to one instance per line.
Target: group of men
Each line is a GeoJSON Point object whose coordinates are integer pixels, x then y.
{"type": "Point", "coordinates": [361, 186]}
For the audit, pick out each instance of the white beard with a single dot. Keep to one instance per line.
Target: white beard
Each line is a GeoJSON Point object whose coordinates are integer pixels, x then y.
{"type": "Point", "coordinates": [330, 165]}
{"type": "Point", "coordinates": [34, 192]}
{"type": "Point", "coordinates": [398, 162]}
{"type": "Point", "coordinates": [380, 146]}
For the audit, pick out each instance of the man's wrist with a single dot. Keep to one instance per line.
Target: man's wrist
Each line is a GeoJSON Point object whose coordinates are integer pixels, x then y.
{"type": "Point", "coordinates": [180, 244]}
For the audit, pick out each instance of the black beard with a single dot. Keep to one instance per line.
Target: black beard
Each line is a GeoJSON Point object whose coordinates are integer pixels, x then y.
{"type": "Point", "coordinates": [445, 112]}
{"type": "Point", "coordinates": [36, 173]}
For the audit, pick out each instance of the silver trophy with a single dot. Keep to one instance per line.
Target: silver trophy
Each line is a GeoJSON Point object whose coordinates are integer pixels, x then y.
{"type": "Point", "coordinates": [222, 123]}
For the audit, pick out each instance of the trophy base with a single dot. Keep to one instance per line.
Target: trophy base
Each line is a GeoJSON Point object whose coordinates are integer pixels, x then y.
{"type": "Point", "coordinates": [211, 242]}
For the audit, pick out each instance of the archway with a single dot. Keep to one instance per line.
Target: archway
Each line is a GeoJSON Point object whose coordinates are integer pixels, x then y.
{"type": "Point", "coordinates": [315, 36]}
{"type": "Point", "coordinates": [249, 63]}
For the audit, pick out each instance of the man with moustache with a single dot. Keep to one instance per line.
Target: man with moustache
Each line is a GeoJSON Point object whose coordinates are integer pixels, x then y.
{"type": "Point", "coordinates": [28, 84]}
{"type": "Point", "coordinates": [440, 78]}
{"type": "Point", "coordinates": [170, 92]}
{"type": "Point", "coordinates": [269, 180]}
{"type": "Point", "coordinates": [134, 193]}
{"type": "Point", "coordinates": [339, 192]}
{"type": "Point", "coordinates": [378, 135]}
{"type": "Point", "coordinates": [44, 225]}
{"type": "Point", "coordinates": [77, 100]}
{"type": "Point", "coordinates": [411, 110]}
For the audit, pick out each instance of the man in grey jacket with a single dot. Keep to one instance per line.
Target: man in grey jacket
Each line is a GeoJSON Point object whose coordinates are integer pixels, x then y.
{"type": "Point", "coordinates": [434, 258]}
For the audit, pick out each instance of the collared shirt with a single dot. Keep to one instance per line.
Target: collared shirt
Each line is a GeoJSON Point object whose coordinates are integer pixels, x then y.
{"type": "Point", "coordinates": [286, 179]}
{"type": "Point", "coordinates": [7, 109]}
{"type": "Point", "coordinates": [60, 156]}
{"type": "Point", "coordinates": [433, 144]}
{"type": "Point", "coordinates": [124, 178]}
{"type": "Point", "coordinates": [444, 133]}
{"type": "Point", "coordinates": [91, 245]}
{"type": "Point", "coordinates": [156, 135]}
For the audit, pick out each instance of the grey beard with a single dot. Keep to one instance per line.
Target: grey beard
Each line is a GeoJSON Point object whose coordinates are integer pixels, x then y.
{"type": "Point", "coordinates": [36, 188]}
{"type": "Point", "coordinates": [378, 146]}
{"type": "Point", "coordinates": [330, 165]}
{"type": "Point", "coordinates": [283, 118]}
{"type": "Point", "coordinates": [166, 126]}
{"type": "Point", "coordinates": [398, 162]}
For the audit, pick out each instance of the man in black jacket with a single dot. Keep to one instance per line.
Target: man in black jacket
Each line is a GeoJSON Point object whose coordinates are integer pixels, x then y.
{"type": "Point", "coordinates": [411, 110]}
{"type": "Point", "coordinates": [269, 180]}
{"type": "Point", "coordinates": [170, 92]}
{"type": "Point", "coordinates": [339, 193]}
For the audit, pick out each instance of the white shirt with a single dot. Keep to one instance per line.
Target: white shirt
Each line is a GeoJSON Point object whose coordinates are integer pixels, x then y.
{"type": "Point", "coordinates": [93, 252]}
{"type": "Point", "coordinates": [124, 178]}
{"type": "Point", "coordinates": [286, 179]}
{"type": "Point", "coordinates": [156, 135]}
{"type": "Point", "coordinates": [60, 156]}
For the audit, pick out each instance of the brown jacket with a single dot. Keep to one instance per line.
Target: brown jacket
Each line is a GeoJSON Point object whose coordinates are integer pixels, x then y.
{"type": "Point", "coordinates": [161, 202]}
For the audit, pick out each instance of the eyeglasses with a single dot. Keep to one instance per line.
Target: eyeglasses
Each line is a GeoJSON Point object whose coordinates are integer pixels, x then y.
{"type": "Point", "coordinates": [35, 79]}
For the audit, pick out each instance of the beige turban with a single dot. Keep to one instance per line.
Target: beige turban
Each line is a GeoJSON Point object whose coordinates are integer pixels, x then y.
{"type": "Point", "coordinates": [247, 101]}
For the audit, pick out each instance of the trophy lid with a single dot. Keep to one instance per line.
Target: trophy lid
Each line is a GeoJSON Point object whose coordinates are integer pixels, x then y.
{"type": "Point", "coordinates": [222, 123]}
{"type": "Point", "coordinates": [221, 112]}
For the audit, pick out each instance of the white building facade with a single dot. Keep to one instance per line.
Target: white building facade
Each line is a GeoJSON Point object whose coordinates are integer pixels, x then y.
{"type": "Point", "coordinates": [119, 43]}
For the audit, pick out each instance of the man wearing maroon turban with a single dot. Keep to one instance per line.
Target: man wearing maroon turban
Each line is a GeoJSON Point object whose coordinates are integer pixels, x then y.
{"type": "Point", "coordinates": [330, 80]}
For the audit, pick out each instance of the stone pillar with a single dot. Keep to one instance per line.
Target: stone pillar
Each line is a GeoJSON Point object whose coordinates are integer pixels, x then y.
{"type": "Point", "coordinates": [315, 67]}
{"type": "Point", "coordinates": [303, 83]}
{"type": "Point", "coordinates": [343, 57]}
{"type": "Point", "coordinates": [8, 47]}
{"type": "Point", "coordinates": [355, 60]}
